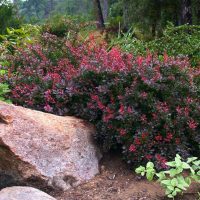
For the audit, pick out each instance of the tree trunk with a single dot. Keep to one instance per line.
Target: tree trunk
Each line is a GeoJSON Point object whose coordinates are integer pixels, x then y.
{"type": "Point", "coordinates": [105, 9]}
{"type": "Point", "coordinates": [186, 12]}
{"type": "Point", "coordinates": [48, 8]}
{"type": "Point", "coordinates": [99, 14]}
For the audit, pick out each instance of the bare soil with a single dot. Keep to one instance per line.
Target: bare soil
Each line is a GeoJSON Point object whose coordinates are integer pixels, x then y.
{"type": "Point", "coordinates": [117, 182]}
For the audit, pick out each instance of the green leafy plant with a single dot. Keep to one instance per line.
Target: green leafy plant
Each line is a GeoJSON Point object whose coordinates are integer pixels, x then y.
{"type": "Point", "coordinates": [14, 38]}
{"type": "Point", "coordinates": [177, 178]}
{"type": "Point", "coordinates": [176, 41]}
{"type": "Point", "coordinates": [3, 91]}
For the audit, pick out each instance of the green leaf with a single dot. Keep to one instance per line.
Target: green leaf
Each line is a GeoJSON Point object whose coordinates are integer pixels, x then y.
{"type": "Point", "coordinates": [185, 166]}
{"type": "Point", "coordinates": [173, 172]}
{"type": "Point", "coordinates": [178, 162]}
{"type": "Point", "coordinates": [178, 156]}
{"type": "Point", "coordinates": [168, 191]}
{"type": "Point", "coordinates": [188, 180]}
{"type": "Point", "coordinates": [150, 175]}
{"type": "Point", "coordinates": [178, 190]}
{"type": "Point", "coordinates": [166, 182]}
{"type": "Point", "coordinates": [140, 169]}
{"type": "Point", "coordinates": [170, 187]}
{"type": "Point", "coordinates": [161, 175]}
{"type": "Point", "coordinates": [197, 163]}
{"type": "Point", "coordinates": [189, 160]}
{"type": "Point", "coordinates": [174, 193]}
{"type": "Point", "coordinates": [171, 164]}
{"type": "Point", "coordinates": [170, 196]}
{"type": "Point", "coordinates": [150, 165]}
{"type": "Point", "coordinates": [174, 182]}
{"type": "Point", "coordinates": [142, 173]}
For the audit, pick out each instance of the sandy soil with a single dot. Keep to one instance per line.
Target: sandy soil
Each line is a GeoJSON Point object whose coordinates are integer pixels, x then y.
{"type": "Point", "coordinates": [117, 182]}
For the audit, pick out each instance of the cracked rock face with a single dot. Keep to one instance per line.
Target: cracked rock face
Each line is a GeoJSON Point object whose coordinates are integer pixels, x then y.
{"type": "Point", "coordinates": [58, 151]}
{"type": "Point", "coordinates": [23, 193]}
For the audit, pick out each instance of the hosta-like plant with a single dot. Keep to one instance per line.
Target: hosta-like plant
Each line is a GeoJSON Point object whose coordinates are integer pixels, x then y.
{"type": "Point", "coordinates": [178, 176]}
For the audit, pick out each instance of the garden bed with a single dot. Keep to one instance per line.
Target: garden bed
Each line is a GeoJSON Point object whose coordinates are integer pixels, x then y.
{"type": "Point", "coordinates": [117, 182]}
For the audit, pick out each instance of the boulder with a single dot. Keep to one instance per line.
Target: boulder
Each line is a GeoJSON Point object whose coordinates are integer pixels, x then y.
{"type": "Point", "coordinates": [51, 150]}
{"type": "Point", "coordinates": [23, 193]}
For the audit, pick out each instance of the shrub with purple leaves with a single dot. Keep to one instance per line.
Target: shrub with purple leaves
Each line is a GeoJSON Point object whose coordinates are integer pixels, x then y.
{"type": "Point", "coordinates": [146, 106]}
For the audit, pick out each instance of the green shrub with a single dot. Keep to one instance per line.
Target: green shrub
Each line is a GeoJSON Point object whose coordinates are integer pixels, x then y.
{"type": "Point", "coordinates": [182, 40]}
{"type": "Point", "coordinates": [3, 91]}
{"type": "Point", "coordinates": [8, 16]}
{"type": "Point", "coordinates": [65, 26]}
{"type": "Point", "coordinates": [177, 177]}
{"type": "Point", "coordinates": [15, 38]}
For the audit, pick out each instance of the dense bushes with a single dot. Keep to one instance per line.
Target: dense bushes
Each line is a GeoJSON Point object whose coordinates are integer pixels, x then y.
{"type": "Point", "coordinates": [147, 105]}
{"type": "Point", "coordinates": [176, 41]}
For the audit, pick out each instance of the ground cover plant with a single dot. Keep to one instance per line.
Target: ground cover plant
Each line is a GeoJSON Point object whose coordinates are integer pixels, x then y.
{"type": "Point", "coordinates": [146, 106]}
{"type": "Point", "coordinates": [177, 178]}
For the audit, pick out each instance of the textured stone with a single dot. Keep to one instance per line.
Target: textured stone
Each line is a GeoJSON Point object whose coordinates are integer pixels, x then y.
{"type": "Point", "coordinates": [54, 150]}
{"type": "Point", "coordinates": [23, 193]}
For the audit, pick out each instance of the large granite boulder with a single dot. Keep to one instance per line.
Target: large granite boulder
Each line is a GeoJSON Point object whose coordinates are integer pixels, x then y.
{"type": "Point", "coordinates": [23, 193]}
{"type": "Point", "coordinates": [53, 150]}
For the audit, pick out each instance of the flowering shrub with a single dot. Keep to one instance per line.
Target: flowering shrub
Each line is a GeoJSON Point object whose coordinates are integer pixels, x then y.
{"type": "Point", "coordinates": [147, 106]}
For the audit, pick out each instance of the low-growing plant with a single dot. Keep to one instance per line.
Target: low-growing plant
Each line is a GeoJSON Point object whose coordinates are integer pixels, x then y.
{"type": "Point", "coordinates": [178, 176]}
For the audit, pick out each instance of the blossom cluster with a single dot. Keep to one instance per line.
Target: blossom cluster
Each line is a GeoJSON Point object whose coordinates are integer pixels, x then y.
{"type": "Point", "coordinates": [147, 106]}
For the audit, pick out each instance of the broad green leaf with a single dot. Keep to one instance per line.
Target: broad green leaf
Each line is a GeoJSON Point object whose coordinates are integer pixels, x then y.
{"type": "Point", "coordinates": [188, 180]}
{"type": "Point", "coordinates": [168, 191]}
{"type": "Point", "coordinates": [150, 165]}
{"type": "Point", "coordinates": [174, 182]}
{"type": "Point", "coordinates": [140, 169]}
{"type": "Point", "coordinates": [173, 172]}
{"type": "Point", "coordinates": [150, 175]}
{"type": "Point", "coordinates": [174, 193]}
{"type": "Point", "coordinates": [197, 163]}
{"type": "Point", "coordinates": [189, 160]}
{"type": "Point", "coordinates": [171, 164]}
{"type": "Point", "coordinates": [178, 162]}
{"type": "Point", "coordinates": [170, 196]}
{"type": "Point", "coordinates": [170, 187]}
{"type": "Point", "coordinates": [166, 182]}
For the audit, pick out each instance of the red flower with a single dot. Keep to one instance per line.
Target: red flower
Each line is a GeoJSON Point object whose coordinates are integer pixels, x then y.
{"type": "Point", "coordinates": [158, 138]}
{"type": "Point", "coordinates": [192, 124]}
{"type": "Point", "coordinates": [169, 137]}
{"type": "Point", "coordinates": [137, 141]}
{"type": "Point", "coordinates": [144, 135]}
{"type": "Point", "coordinates": [48, 108]}
{"type": "Point", "coordinates": [161, 160]}
{"type": "Point", "coordinates": [121, 109]}
{"type": "Point", "coordinates": [143, 118]}
{"type": "Point", "coordinates": [122, 132]}
{"type": "Point", "coordinates": [148, 157]}
{"type": "Point", "coordinates": [132, 148]}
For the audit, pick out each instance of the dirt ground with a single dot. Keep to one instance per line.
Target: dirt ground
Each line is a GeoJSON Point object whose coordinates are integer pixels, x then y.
{"type": "Point", "coordinates": [117, 182]}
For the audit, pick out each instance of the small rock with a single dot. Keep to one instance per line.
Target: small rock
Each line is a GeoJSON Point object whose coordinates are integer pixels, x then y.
{"type": "Point", "coordinates": [23, 193]}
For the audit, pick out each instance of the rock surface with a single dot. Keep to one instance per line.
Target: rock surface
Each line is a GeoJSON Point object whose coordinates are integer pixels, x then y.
{"type": "Point", "coordinates": [56, 151]}
{"type": "Point", "coordinates": [23, 193]}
